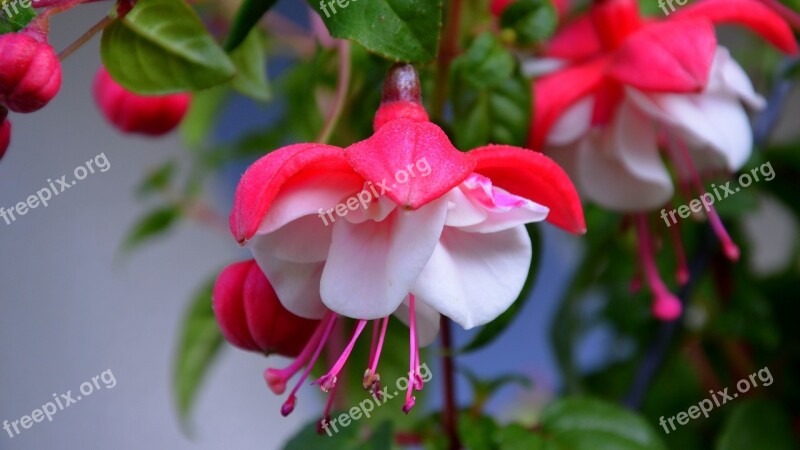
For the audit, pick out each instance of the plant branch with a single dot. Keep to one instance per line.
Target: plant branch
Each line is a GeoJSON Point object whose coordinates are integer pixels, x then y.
{"type": "Point", "coordinates": [450, 409]}
{"type": "Point", "coordinates": [85, 37]}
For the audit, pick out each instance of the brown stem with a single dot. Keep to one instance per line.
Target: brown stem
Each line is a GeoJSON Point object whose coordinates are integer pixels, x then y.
{"type": "Point", "coordinates": [341, 93]}
{"type": "Point", "coordinates": [450, 409]}
{"type": "Point", "coordinates": [85, 37]}
{"type": "Point", "coordinates": [448, 49]}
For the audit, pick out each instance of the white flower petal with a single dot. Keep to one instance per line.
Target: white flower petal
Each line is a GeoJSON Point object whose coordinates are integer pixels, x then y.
{"type": "Point", "coordinates": [574, 123]}
{"type": "Point", "coordinates": [620, 167]}
{"type": "Point", "coordinates": [501, 209]}
{"type": "Point", "coordinates": [473, 277]}
{"type": "Point", "coordinates": [304, 240]}
{"type": "Point", "coordinates": [296, 284]}
{"type": "Point", "coordinates": [728, 77]}
{"type": "Point", "coordinates": [372, 265]}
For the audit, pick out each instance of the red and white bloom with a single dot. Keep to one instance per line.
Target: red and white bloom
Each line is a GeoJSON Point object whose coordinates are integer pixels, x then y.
{"type": "Point", "coordinates": [452, 242]}
{"type": "Point", "coordinates": [620, 88]}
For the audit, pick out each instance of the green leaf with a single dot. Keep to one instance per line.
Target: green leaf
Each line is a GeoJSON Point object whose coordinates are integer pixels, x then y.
{"type": "Point", "coordinates": [246, 18]}
{"type": "Point", "coordinates": [157, 180]}
{"type": "Point", "coordinates": [491, 100]}
{"type": "Point", "coordinates": [200, 342]}
{"type": "Point", "coordinates": [162, 47]}
{"type": "Point", "coordinates": [400, 30]}
{"type": "Point", "coordinates": [151, 225]}
{"type": "Point", "coordinates": [199, 122]}
{"type": "Point", "coordinates": [757, 424]}
{"type": "Point", "coordinates": [346, 438]}
{"type": "Point", "coordinates": [16, 18]}
{"type": "Point", "coordinates": [491, 331]}
{"type": "Point", "coordinates": [251, 68]}
{"type": "Point", "coordinates": [516, 437]}
{"type": "Point", "coordinates": [533, 21]}
{"type": "Point", "coordinates": [589, 424]}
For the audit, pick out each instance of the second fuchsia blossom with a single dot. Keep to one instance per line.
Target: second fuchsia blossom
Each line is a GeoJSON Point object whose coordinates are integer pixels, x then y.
{"type": "Point", "coordinates": [620, 92]}
{"type": "Point", "coordinates": [452, 243]}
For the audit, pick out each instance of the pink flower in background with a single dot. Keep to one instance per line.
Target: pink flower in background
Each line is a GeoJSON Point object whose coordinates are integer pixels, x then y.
{"type": "Point", "coordinates": [620, 88]}
{"type": "Point", "coordinates": [452, 242]}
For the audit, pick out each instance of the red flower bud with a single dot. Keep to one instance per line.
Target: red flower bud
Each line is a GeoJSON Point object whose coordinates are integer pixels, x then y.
{"type": "Point", "coordinates": [5, 136]}
{"type": "Point", "coordinates": [30, 73]}
{"type": "Point", "coordinates": [134, 113]}
{"type": "Point", "coordinates": [401, 97]}
{"type": "Point", "coordinates": [251, 316]}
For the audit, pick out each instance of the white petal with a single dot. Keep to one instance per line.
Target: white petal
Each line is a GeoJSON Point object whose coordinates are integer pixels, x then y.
{"type": "Point", "coordinates": [716, 123]}
{"type": "Point", "coordinates": [306, 195]}
{"type": "Point", "coordinates": [304, 240]}
{"type": "Point", "coordinates": [372, 265]}
{"type": "Point", "coordinates": [728, 77]}
{"type": "Point", "coordinates": [473, 277]}
{"type": "Point", "coordinates": [502, 210]}
{"type": "Point", "coordinates": [574, 123]}
{"type": "Point", "coordinates": [621, 168]}
{"type": "Point", "coordinates": [534, 67]}
{"type": "Point", "coordinates": [296, 284]}
{"type": "Point", "coordinates": [427, 320]}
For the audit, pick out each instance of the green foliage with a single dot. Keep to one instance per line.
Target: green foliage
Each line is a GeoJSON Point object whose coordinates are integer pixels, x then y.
{"type": "Point", "coordinates": [200, 342]}
{"type": "Point", "coordinates": [251, 68]}
{"type": "Point", "coordinates": [17, 18]}
{"type": "Point", "coordinates": [589, 424]}
{"type": "Point", "coordinates": [158, 180]}
{"type": "Point", "coordinates": [153, 224]}
{"type": "Point", "coordinates": [161, 47]}
{"type": "Point", "coordinates": [532, 21]}
{"type": "Point", "coordinates": [248, 15]}
{"type": "Point", "coordinates": [757, 424]}
{"type": "Point", "coordinates": [400, 30]}
{"type": "Point", "coordinates": [491, 99]}
{"type": "Point", "coordinates": [348, 438]}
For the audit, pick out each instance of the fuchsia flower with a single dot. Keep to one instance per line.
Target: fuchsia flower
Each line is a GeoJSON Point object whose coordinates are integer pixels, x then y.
{"type": "Point", "coordinates": [151, 115]}
{"type": "Point", "coordinates": [30, 73]}
{"type": "Point", "coordinates": [5, 134]}
{"type": "Point", "coordinates": [452, 242]}
{"type": "Point", "coordinates": [620, 87]}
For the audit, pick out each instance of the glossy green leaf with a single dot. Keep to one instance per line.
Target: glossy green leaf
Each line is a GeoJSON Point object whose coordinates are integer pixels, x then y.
{"type": "Point", "coordinates": [13, 16]}
{"type": "Point", "coordinates": [200, 342]}
{"type": "Point", "coordinates": [400, 30]}
{"type": "Point", "coordinates": [491, 331]}
{"type": "Point", "coordinates": [251, 68]}
{"type": "Point", "coordinates": [533, 21]}
{"type": "Point", "coordinates": [491, 100]}
{"type": "Point", "coordinates": [248, 15]}
{"type": "Point", "coordinates": [162, 47]}
{"type": "Point", "coordinates": [153, 224]}
{"type": "Point", "coordinates": [757, 424]}
{"type": "Point", "coordinates": [590, 424]}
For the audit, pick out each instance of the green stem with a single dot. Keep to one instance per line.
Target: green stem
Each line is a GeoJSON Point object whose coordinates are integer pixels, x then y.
{"type": "Point", "coordinates": [341, 93]}
{"type": "Point", "coordinates": [448, 49]}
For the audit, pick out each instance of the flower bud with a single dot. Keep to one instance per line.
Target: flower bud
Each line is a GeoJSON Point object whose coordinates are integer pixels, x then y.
{"type": "Point", "coordinates": [401, 97]}
{"type": "Point", "coordinates": [134, 113]}
{"type": "Point", "coordinates": [251, 316]}
{"type": "Point", "coordinates": [30, 73]}
{"type": "Point", "coordinates": [5, 136]}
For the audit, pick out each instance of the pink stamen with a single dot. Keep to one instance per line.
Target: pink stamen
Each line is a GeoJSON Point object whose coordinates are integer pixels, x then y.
{"type": "Point", "coordinates": [372, 380]}
{"type": "Point", "coordinates": [413, 349]}
{"type": "Point", "coordinates": [276, 378]}
{"type": "Point", "coordinates": [288, 406]}
{"type": "Point", "coordinates": [326, 415]}
{"type": "Point", "coordinates": [682, 271]}
{"type": "Point", "coordinates": [328, 381]}
{"type": "Point", "coordinates": [374, 362]}
{"type": "Point", "coordinates": [665, 305]}
{"type": "Point", "coordinates": [728, 247]}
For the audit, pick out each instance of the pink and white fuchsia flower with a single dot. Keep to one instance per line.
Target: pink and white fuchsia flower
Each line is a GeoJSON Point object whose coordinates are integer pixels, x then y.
{"type": "Point", "coordinates": [620, 88]}
{"type": "Point", "coordinates": [452, 243]}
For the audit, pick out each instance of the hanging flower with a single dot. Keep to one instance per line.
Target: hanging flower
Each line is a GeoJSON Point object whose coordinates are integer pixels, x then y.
{"type": "Point", "coordinates": [151, 115]}
{"type": "Point", "coordinates": [401, 223]}
{"type": "Point", "coordinates": [30, 73]}
{"type": "Point", "coordinates": [620, 88]}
